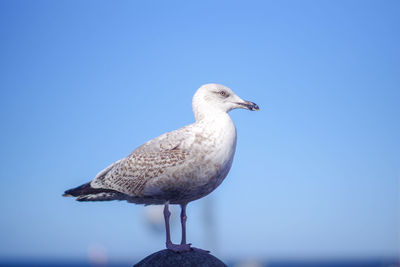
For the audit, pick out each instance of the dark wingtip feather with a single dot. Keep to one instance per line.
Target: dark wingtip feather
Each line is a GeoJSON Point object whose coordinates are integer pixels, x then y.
{"type": "Point", "coordinates": [87, 193]}
{"type": "Point", "coordinates": [77, 191]}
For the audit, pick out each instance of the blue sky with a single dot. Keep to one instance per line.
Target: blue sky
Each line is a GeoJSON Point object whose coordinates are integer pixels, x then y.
{"type": "Point", "coordinates": [316, 172]}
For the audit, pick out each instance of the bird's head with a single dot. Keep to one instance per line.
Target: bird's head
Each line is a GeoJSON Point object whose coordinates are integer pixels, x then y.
{"type": "Point", "coordinates": [216, 98]}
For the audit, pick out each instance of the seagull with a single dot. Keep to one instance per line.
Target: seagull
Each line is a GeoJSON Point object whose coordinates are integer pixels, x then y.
{"type": "Point", "coordinates": [177, 167]}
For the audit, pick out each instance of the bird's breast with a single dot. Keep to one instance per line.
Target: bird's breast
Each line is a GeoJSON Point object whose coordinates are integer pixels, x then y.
{"type": "Point", "coordinates": [217, 143]}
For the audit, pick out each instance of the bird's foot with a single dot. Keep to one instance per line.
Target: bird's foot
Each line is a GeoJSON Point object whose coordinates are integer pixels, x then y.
{"type": "Point", "coordinates": [179, 248]}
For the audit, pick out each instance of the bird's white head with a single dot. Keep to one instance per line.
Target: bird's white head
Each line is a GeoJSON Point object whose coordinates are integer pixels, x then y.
{"type": "Point", "coordinates": [216, 98]}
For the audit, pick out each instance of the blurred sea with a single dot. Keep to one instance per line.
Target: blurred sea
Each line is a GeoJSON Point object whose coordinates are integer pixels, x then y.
{"type": "Point", "coordinates": [347, 263]}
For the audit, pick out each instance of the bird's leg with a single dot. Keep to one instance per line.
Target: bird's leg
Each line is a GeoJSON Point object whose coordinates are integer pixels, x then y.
{"type": "Point", "coordinates": [183, 223]}
{"type": "Point", "coordinates": [167, 214]}
{"type": "Point", "coordinates": [174, 247]}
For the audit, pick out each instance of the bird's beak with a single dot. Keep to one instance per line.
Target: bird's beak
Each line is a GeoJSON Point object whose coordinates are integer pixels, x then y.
{"type": "Point", "coordinates": [248, 105]}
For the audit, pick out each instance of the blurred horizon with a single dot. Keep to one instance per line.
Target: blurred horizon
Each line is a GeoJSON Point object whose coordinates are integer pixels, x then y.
{"type": "Point", "coordinates": [316, 173]}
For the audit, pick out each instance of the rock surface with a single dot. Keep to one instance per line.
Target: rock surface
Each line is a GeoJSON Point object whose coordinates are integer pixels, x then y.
{"type": "Point", "coordinates": [168, 258]}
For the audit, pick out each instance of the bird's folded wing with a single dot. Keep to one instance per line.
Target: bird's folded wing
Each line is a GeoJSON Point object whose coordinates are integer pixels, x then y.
{"type": "Point", "coordinates": [129, 175]}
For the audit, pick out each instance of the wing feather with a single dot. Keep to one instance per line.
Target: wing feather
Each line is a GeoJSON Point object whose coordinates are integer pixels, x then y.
{"type": "Point", "coordinates": [129, 175]}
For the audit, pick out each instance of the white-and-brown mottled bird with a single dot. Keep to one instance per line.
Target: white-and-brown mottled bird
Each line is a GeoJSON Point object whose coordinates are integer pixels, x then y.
{"type": "Point", "coordinates": [176, 167]}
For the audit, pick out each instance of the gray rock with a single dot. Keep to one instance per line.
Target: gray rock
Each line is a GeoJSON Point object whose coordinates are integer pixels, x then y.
{"type": "Point", "coordinates": [168, 258]}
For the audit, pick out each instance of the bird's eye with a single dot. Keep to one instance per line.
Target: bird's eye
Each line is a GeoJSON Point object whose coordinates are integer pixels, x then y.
{"type": "Point", "coordinates": [223, 93]}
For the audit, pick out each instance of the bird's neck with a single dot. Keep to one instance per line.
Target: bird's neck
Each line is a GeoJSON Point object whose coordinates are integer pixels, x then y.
{"type": "Point", "coordinates": [211, 116]}
{"type": "Point", "coordinates": [208, 112]}
{"type": "Point", "coordinates": [216, 123]}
